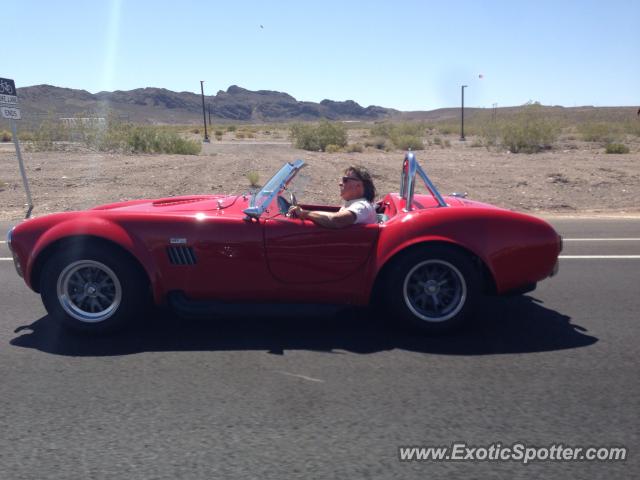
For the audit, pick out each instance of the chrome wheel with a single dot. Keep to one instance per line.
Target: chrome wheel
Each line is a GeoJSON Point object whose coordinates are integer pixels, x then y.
{"type": "Point", "coordinates": [434, 290]}
{"type": "Point", "coordinates": [89, 291]}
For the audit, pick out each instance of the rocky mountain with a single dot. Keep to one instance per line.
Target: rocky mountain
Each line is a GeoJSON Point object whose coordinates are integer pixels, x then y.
{"type": "Point", "coordinates": [158, 105]}
{"type": "Point", "coordinates": [236, 104]}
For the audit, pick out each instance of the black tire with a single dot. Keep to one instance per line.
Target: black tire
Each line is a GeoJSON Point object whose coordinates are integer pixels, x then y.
{"type": "Point", "coordinates": [433, 288]}
{"type": "Point", "coordinates": [93, 288]}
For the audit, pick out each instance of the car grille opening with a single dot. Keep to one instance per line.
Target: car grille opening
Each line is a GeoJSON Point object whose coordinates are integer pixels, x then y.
{"type": "Point", "coordinates": [181, 255]}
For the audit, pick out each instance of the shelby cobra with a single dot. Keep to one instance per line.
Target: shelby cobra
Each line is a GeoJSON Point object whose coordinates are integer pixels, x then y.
{"type": "Point", "coordinates": [429, 258]}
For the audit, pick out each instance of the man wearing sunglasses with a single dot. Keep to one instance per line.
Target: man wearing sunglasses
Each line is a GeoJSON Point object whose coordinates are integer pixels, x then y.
{"type": "Point", "coordinates": [357, 191]}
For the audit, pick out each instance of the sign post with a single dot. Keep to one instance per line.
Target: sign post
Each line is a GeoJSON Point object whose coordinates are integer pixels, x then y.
{"type": "Point", "coordinates": [9, 109]}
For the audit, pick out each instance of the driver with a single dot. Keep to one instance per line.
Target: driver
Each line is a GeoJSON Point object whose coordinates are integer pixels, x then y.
{"type": "Point", "coordinates": [357, 191]}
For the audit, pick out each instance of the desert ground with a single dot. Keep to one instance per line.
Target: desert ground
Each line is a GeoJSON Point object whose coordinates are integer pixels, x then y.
{"type": "Point", "coordinates": [575, 178]}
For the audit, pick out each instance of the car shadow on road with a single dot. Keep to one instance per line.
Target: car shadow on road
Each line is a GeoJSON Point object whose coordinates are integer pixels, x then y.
{"type": "Point", "coordinates": [503, 325]}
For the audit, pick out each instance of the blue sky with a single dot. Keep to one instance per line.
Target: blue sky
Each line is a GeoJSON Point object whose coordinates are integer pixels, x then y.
{"type": "Point", "coordinates": [410, 55]}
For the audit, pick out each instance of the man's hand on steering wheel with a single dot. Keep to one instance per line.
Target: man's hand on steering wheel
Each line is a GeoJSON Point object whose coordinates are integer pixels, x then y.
{"type": "Point", "coordinates": [285, 205]}
{"type": "Point", "coordinates": [293, 201]}
{"type": "Point", "coordinates": [296, 212]}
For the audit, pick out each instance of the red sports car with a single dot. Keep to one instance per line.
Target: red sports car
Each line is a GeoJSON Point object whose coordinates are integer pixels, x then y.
{"type": "Point", "coordinates": [429, 257]}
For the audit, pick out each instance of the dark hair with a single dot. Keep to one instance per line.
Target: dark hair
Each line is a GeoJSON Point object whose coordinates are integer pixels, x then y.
{"type": "Point", "coordinates": [367, 182]}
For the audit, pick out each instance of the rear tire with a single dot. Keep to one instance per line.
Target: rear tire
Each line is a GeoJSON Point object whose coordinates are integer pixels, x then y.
{"type": "Point", "coordinates": [92, 289]}
{"type": "Point", "coordinates": [433, 288]}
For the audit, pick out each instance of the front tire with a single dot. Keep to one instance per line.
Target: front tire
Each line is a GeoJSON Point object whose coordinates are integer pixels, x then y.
{"type": "Point", "coordinates": [92, 289]}
{"type": "Point", "coordinates": [433, 288]}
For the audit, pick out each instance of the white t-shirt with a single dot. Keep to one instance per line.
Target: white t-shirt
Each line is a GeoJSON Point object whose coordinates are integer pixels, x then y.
{"type": "Point", "coordinates": [365, 212]}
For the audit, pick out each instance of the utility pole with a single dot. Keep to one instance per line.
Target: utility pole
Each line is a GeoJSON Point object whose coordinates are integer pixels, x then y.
{"type": "Point", "coordinates": [204, 115]}
{"type": "Point", "coordinates": [462, 115]}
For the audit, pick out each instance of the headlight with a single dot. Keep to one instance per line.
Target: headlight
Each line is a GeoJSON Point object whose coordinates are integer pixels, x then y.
{"type": "Point", "coordinates": [16, 261]}
{"type": "Point", "coordinates": [9, 235]}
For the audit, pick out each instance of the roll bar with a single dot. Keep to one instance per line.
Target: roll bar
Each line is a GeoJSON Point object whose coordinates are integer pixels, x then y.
{"type": "Point", "coordinates": [408, 179]}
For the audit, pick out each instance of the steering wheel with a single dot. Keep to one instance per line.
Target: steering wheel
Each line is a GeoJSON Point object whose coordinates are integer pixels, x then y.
{"type": "Point", "coordinates": [284, 205]}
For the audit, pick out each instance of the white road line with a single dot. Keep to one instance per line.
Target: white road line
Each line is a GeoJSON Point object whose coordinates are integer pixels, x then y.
{"type": "Point", "coordinates": [5, 258]}
{"type": "Point", "coordinates": [3, 241]}
{"type": "Point", "coordinates": [571, 257]}
{"type": "Point", "coordinates": [304, 377]}
{"type": "Point", "coordinates": [601, 239]}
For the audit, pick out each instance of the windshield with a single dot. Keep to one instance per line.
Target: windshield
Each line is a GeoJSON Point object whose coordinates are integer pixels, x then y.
{"type": "Point", "coordinates": [262, 199]}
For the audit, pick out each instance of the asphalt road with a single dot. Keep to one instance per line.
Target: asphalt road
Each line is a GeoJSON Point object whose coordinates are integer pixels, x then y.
{"type": "Point", "coordinates": [333, 396]}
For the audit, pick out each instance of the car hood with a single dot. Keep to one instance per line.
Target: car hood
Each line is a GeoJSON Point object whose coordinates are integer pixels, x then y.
{"type": "Point", "coordinates": [182, 204]}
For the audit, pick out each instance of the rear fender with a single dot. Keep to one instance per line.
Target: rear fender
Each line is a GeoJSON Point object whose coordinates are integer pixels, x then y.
{"type": "Point", "coordinates": [391, 255]}
{"type": "Point", "coordinates": [516, 249]}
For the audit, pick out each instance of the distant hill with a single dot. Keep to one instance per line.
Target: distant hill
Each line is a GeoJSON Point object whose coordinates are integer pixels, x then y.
{"type": "Point", "coordinates": [158, 105]}
{"type": "Point", "coordinates": [571, 115]}
{"type": "Point", "coordinates": [236, 104]}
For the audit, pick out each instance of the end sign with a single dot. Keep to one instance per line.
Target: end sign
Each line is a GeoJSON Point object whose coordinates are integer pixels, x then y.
{"type": "Point", "coordinates": [9, 99]}
{"type": "Point", "coordinates": [11, 113]}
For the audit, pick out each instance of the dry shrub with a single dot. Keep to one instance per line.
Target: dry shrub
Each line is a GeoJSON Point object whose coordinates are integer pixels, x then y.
{"type": "Point", "coordinates": [530, 131]}
{"type": "Point", "coordinates": [404, 136]}
{"type": "Point", "coordinates": [616, 148]}
{"type": "Point", "coordinates": [254, 178]}
{"type": "Point", "coordinates": [408, 142]}
{"type": "Point", "coordinates": [378, 142]}
{"type": "Point", "coordinates": [599, 132]}
{"type": "Point", "coordinates": [319, 137]}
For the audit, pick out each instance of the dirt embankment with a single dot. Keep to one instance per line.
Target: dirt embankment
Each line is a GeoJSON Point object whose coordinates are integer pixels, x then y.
{"type": "Point", "coordinates": [576, 180]}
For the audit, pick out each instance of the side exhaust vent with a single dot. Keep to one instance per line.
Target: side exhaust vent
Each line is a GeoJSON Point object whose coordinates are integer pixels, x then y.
{"type": "Point", "coordinates": [181, 255]}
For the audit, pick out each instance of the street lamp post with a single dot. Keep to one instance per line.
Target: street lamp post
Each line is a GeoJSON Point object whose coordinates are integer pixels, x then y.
{"type": "Point", "coordinates": [204, 114]}
{"type": "Point", "coordinates": [462, 114]}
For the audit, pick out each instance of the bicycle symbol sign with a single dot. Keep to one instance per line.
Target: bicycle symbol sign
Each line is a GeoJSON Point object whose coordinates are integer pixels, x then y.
{"type": "Point", "coordinates": [7, 87]}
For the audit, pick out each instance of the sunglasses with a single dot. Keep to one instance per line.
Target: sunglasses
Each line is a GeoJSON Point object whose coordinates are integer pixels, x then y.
{"type": "Point", "coordinates": [347, 179]}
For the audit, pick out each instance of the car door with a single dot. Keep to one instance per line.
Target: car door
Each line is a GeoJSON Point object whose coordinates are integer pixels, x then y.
{"type": "Point", "coordinates": [217, 257]}
{"type": "Point", "coordinates": [301, 253]}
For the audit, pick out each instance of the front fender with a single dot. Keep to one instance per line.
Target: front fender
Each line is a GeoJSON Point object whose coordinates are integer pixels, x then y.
{"type": "Point", "coordinates": [96, 227]}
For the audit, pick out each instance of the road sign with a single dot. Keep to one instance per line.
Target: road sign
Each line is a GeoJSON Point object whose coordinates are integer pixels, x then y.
{"type": "Point", "coordinates": [9, 99]}
{"type": "Point", "coordinates": [9, 109]}
{"type": "Point", "coordinates": [8, 96]}
{"type": "Point", "coordinates": [7, 87]}
{"type": "Point", "coordinates": [11, 113]}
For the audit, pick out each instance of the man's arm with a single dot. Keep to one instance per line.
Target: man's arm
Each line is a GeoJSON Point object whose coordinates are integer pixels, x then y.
{"type": "Point", "coordinates": [340, 219]}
